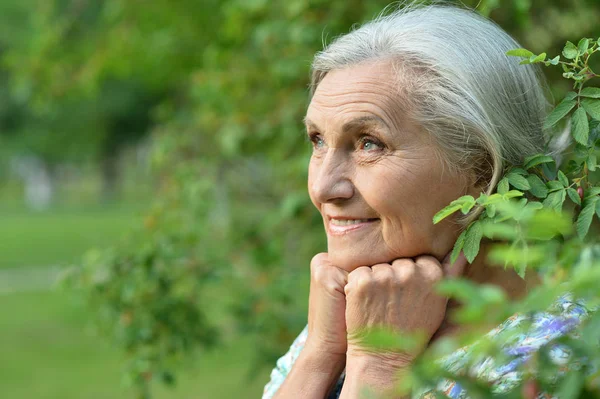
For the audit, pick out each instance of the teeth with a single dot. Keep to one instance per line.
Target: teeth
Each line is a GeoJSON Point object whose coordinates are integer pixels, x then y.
{"type": "Point", "coordinates": [347, 222]}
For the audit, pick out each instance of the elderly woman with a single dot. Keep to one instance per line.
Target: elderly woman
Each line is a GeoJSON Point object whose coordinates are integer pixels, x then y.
{"type": "Point", "coordinates": [407, 113]}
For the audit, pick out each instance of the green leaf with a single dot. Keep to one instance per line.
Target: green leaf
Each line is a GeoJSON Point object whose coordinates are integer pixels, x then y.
{"type": "Point", "coordinates": [591, 92]}
{"type": "Point", "coordinates": [585, 218]}
{"type": "Point", "coordinates": [555, 199]}
{"type": "Point", "coordinates": [592, 107]}
{"type": "Point", "coordinates": [563, 179]}
{"type": "Point", "coordinates": [546, 224]}
{"type": "Point", "coordinates": [570, 51]}
{"type": "Point", "coordinates": [592, 162]}
{"type": "Point", "coordinates": [463, 203]}
{"type": "Point", "coordinates": [559, 112]}
{"type": "Point", "coordinates": [581, 128]}
{"type": "Point", "coordinates": [538, 188]}
{"type": "Point", "coordinates": [573, 195]}
{"type": "Point", "coordinates": [512, 194]}
{"type": "Point", "coordinates": [503, 186]}
{"type": "Point", "coordinates": [555, 60]}
{"type": "Point", "coordinates": [571, 95]}
{"type": "Point", "coordinates": [537, 159]}
{"type": "Point", "coordinates": [519, 171]}
{"type": "Point", "coordinates": [503, 231]}
{"type": "Point", "coordinates": [458, 246]}
{"type": "Point", "coordinates": [472, 241]}
{"type": "Point", "coordinates": [519, 52]}
{"type": "Point", "coordinates": [494, 199]}
{"type": "Point", "coordinates": [466, 208]}
{"type": "Point", "coordinates": [570, 387]}
{"type": "Point", "coordinates": [591, 192]}
{"type": "Point", "coordinates": [518, 181]}
{"type": "Point", "coordinates": [445, 212]}
{"type": "Point", "coordinates": [598, 209]}
{"type": "Point", "coordinates": [518, 256]}
{"type": "Point", "coordinates": [536, 59]}
{"type": "Point", "coordinates": [554, 185]}
{"type": "Point", "coordinates": [583, 46]}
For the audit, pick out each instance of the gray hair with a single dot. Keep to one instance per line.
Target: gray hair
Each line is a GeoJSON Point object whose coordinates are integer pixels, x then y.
{"type": "Point", "coordinates": [484, 110]}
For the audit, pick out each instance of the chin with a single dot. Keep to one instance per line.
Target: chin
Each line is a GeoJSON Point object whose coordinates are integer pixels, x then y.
{"type": "Point", "coordinates": [351, 258]}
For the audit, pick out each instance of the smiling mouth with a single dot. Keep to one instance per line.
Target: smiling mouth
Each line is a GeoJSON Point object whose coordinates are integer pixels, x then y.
{"type": "Point", "coordinates": [344, 226]}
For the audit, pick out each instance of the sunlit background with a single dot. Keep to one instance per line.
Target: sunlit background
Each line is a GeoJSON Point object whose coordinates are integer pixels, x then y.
{"type": "Point", "coordinates": [166, 137]}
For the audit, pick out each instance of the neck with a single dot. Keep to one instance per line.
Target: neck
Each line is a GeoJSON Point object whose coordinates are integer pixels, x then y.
{"type": "Point", "coordinates": [481, 271]}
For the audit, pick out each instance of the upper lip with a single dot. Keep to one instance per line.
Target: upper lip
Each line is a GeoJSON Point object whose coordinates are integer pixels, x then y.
{"type": "Point", "coordinates": [347, 217]}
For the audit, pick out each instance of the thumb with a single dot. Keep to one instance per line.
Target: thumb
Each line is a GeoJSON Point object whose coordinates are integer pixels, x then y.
{"type": "Point", "coordinates": [456, 269]}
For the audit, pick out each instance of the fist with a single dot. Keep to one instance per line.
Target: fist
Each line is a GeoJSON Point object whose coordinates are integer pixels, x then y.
{"type": "Point", "coordinates": [398, 297]}
{"type": "Point", "coordinates": [326, 307]}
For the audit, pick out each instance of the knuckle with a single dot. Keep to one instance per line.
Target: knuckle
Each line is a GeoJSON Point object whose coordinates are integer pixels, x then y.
{"type": "Point", "coordinates": [318, 274]}
{"type": "Point", "coordinates": [383, 272]}
{"type": "Point", "coordinates": [427, 260]}
{"type": "Point", "coordinates": [402, 263]}
{"type": "Point", "coordinates": [434, 274]}
{"type": "Point", "coordinates": [331, 287]}
{"type": "Point", "coordinates": [360, 277]}
{"type": "Point", "coordinates": [430, 268]}
{"type": "Point", "coordinates": [405, 272]}
{"type": "Point", "coordinates": [319, 259]}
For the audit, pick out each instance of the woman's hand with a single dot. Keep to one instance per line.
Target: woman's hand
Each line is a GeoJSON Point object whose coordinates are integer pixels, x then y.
{"type": "Point", "coordinates": [326, 308]}
{"type": "Point", "coordinates": [323, 357]}
{"type": "Point", "coordinates": [399, 297]}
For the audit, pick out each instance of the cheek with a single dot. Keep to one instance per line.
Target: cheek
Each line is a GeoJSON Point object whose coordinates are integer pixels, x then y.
{"type": "Point", "coordinates": [312, 169]}
{"type": "Point", "coordinates": [392, 191]}
{"type": "Point", "coordinates": [406, 198]}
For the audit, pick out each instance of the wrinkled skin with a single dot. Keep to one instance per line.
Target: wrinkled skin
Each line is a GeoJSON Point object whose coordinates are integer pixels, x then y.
{"type": "Point", "coordinates": [372, 163]}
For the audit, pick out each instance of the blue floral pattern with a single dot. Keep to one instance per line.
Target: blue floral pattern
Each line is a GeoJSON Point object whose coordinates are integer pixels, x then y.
{"type": "Point", "coordinates": [561, 319]}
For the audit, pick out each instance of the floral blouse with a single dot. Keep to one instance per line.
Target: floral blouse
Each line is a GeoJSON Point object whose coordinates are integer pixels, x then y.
{"type": "Point", "coordinates": [560, 319]}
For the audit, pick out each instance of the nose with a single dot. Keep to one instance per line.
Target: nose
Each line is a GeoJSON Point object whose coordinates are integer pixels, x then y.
{"type": "Point", "coordinates": [330, 177]}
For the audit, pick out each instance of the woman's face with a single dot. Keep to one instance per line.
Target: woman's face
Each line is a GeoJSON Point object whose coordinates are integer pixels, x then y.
{"type": "Point", "coordinates": [375, 176]}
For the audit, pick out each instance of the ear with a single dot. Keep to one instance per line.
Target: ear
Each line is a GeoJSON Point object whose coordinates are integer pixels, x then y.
{"type": "Point", "coordinates": [475, 184]}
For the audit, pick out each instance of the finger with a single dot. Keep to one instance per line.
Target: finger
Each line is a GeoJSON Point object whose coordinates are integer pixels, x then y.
{"type": "Point", "coordinates": [357, 275]}
{"type": "Point", "coordinates": [430, 267]}
{"type": "Point", "coordinates": [342, 276]}
{"type": "Point", "coordinates": [403, 262]}
{"type": "Point", "coordinates": [383, 272]}
{"type": "Point", "coordinates": [456, 269]}
{"type": "Point", "coordinates": [319, 259]}
{"type": "Point", "coordinates": [404, 269]}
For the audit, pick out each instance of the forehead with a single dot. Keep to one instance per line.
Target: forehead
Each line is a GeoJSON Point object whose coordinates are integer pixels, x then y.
{"type": "Point", "coordinates": [370, 89]}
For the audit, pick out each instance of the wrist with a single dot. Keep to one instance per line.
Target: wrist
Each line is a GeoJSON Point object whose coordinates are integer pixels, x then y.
{"type": "Point", "coordinates": [323, 350]}
{"type": "Point", "coordinates": [312, 376]}
{"type": "Point", "coordinates": [321, 363]}
{"type": "Point", "coordinates": [380, 372]}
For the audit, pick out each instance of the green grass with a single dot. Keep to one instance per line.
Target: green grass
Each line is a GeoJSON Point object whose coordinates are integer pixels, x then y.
{"type": "Point", "coordinates": [46, 350]}
{"type": "Point", "coordinates": [61, 235]}
{"type": "Point", "coordinates": [47, 354]}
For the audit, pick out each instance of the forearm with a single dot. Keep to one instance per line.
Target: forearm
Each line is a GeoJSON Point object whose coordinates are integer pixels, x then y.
{"type": "Point", "coordinates": [313, 375]}
{"type": "Point", "coordinates": [372, 375]}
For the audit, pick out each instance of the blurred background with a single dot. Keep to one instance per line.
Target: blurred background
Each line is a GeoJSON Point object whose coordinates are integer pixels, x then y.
{"type": "Point", "coordinates": [154, 221]}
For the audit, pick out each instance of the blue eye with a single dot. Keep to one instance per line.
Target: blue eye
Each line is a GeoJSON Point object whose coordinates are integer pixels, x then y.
{"type": "Point", "coordinates": [317, 141]}
{"type": "Point", "coordinates": [369, 144]}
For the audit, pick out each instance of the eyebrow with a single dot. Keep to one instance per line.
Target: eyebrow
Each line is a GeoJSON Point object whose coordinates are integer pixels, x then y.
{"type": "Point", "coordinates": [354, 123]}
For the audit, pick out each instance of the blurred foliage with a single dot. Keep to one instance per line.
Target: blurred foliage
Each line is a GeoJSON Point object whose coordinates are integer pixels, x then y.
{"type": "Point", "coordinates": [222, 88]}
